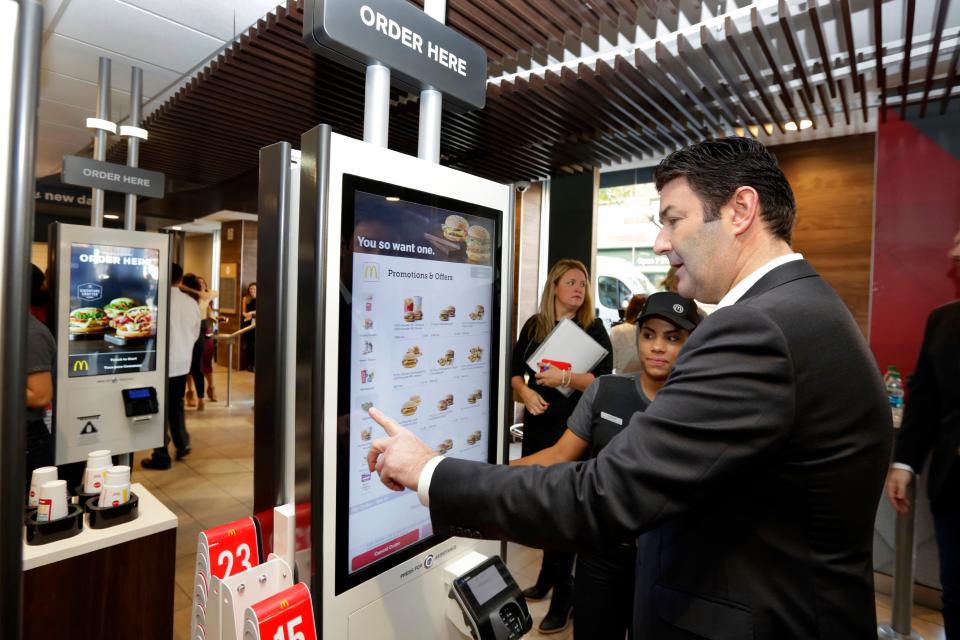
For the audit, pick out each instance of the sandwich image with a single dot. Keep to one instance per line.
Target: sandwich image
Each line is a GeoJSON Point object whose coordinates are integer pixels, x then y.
{"type": "Point", "coordinates": [409, 361]}
{"type": "Point", "coordinates": [475, 354]}
{"type": "Point", "coordinates": [442, 404]}
{"type": "Point", "coordinates": [414, 351]}
{"type": "Point", "coordinates": [472, 398]}
{"type": "Point", "coordinates": [448, 312]}
{"type": "Point", "coordinates": [365, 434]}
{"type": "Point", "coordinates": [416, 399]}
{"type": "Point", "coordinates": [409, 408]}
{"type": "Point", "coordinates": [455, 228]}
{"type": "Point", "coordinates": [137, 322]}
{"type": "Point", "coordinates": [117, 306]}
{"type": "Point", "coordinates": [477, 314]}
{"type": "Point", "coordinates": [88, 320]}
{"type": "Point", "coordinates": [446, 358]}
{"type": "Point", "coordinates": [366, 406]}
{"type": "Point", "coordinates": [478, 245]}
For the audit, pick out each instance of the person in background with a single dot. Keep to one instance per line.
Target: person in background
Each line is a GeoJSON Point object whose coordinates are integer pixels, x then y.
{"type": "Point", "coordinates": [604, 579]}
{"type": "Point", "coordinates": [201, 366]}
{"type": "Point", "coordinates": [623, 337]}
{"type": "Point", "coordinates": [931, 423]}
{"type": "Point", "coordinates": [249, 317]}
{"type": "Point", "coordinates": [546, 410]}
{"type": "Point", "coordinates": [39, 295]}
{"type": "Point", "coordinates": [669, 282]}
{"type": "Point", "coordinates": [184, 329]}
{"type": "Point", "coordinates": [41, 354]}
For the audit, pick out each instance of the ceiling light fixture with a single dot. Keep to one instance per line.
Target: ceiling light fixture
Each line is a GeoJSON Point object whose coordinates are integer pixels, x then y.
{"type": "Point", "coordinates": [393, 199]}
{"type": "Point", "coordinates": [176, 228]}
{"type": "Point", "coordinates": [793, 126]}
{"type": "Point", "coordinates": [111, 216]}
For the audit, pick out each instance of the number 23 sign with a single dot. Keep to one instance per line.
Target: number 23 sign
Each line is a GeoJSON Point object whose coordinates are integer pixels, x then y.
{"type": "Point", "coordinates": [286, 616]}
{"type": "Point", "coordinates": [232, 547]}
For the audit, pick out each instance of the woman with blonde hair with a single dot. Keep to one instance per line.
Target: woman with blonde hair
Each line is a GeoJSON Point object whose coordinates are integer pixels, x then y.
{"type": "Point", "coordinates": [546, 410]}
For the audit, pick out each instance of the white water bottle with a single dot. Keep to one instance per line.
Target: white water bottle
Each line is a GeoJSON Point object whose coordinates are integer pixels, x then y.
{"type": "Point", "coordinates": [894, 385]}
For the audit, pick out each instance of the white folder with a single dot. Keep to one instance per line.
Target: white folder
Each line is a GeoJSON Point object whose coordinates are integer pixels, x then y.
{"type": "Point", "coordinates": [569, 343]}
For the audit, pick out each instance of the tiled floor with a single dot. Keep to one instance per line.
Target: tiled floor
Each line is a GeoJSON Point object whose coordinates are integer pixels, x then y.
{"type": "Point", "coordinates": [215, 485]}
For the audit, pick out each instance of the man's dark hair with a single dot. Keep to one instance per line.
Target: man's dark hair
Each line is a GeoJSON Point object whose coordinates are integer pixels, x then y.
{"type": "Point", "coordinates": [176, 274]}
{"type": "Point", "coordinates": [192, 282]}
{"type": "Point", "coordinates": [715, 169]}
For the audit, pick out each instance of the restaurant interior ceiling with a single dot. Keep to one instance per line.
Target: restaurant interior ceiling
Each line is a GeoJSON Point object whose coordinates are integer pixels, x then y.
{"type": "Point", "coordinates": [572, 84]}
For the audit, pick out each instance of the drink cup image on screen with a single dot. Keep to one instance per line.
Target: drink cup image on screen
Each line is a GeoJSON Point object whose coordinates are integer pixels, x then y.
{"type": "Point", "coordinates": [414, 256]}
{"type": "Point", "coordinates": [113, 309]}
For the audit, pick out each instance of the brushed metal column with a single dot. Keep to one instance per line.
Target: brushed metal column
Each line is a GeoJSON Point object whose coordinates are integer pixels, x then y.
{"type": "Point", "coordinates": [16, 232]}
{"type": "Point", "coordinates": [133, 144]}
{"type": "Point", "coordinates": [376, 106]}
{"type": "Point", "coordinates": [100, 137]}
{"type": "Point", "coordinates": [431, 100]}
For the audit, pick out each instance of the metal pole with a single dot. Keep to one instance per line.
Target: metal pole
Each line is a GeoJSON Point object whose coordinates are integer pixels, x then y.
{"type": "Point", "coordinates": [23, 29]}
{"type": "Point", "coordinates": [133, 144]}
{"type": "Point", "coordinates": [902, 614]}
{"type": "Point", "coordinates": [229, 367]}
{"type": "Point", "coordinates": [376, 106]}
{"type": "Point", "coordinates": [431, 100]}
{"type": "Point", "coordinates": [100, 138]}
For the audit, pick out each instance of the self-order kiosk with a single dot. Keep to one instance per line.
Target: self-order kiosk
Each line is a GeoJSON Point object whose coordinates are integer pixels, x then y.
{"type": "Point", "coordinates": [410, 318]}
{"type": "Point", "coordinates": [110, 290]}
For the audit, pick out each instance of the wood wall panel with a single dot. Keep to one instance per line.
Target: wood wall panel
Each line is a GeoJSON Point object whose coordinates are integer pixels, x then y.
{"type": "Point", "coordinates": [833, 182]}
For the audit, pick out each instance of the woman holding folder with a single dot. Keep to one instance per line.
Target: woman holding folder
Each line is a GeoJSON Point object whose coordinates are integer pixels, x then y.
{"type": "Point", "coordinates": [546, 409]}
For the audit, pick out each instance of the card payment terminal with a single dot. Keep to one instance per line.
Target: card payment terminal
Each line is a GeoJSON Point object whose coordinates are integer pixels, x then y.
{"type": "Point", "coordinates": [493, 605]}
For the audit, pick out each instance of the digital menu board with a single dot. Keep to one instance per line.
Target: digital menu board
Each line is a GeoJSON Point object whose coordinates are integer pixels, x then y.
{"type": "Point", "coordinates": [112, 324]}
{"type": "Point", "coordinates": [418, 318]}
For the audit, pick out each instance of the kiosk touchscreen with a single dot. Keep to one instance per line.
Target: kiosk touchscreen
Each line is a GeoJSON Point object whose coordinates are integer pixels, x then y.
{"type": "Point", "coordinates": [413, 303]}
{"type": "Point", "coordinates": [110, 316]}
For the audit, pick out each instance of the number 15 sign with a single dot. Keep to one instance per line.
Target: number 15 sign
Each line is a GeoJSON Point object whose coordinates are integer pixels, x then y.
{"type": "Point", "coordinates": [287, 615]}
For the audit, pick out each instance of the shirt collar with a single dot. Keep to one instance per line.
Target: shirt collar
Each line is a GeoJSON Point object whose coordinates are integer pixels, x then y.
{"type": "Point", "coordinates": [744, 285]}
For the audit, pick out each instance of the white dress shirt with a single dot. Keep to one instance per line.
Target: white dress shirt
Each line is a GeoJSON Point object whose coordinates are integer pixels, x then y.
{"type": "Point", "coordinates": [423, 484]}
{"type": "Point", "coordinates": [184, 331]}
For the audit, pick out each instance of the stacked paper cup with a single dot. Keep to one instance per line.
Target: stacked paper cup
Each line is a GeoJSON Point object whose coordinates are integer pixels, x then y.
{"type": "Point", "coordinates": [40, 476]}
{"type": "Point", "coordinates": [52, 501]}
{"type": "Point", "coordinates": [116, 487]}
{"type": "Point", "coordinates": [97, 464]}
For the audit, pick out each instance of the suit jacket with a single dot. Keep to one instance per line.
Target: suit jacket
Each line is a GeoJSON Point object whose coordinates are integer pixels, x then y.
{"type": "Point", "coordinates": [931, 420]}
{"type": "Point", "coordinates": [756, 471]}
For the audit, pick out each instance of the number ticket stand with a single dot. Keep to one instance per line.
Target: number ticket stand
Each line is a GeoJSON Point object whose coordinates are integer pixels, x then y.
{"type": "Point", "coordinates": [286, 616]}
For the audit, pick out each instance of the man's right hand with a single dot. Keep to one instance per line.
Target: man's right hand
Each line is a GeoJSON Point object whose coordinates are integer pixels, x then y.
{"type": "Point", "coordinates": [897, 482]}
{"type": "Point", "coordinates": [533, 401]}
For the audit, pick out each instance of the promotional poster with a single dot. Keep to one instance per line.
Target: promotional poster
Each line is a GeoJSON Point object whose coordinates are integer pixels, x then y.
{"type": "Point", "coordinates": [113, 309]}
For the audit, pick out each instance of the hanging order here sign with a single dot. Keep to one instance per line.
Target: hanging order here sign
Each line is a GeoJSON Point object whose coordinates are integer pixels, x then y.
{"type": "Point", "coordinates": [419, 51]}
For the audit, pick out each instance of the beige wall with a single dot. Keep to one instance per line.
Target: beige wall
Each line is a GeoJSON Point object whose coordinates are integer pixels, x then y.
{"type": "Point", "coordinates": [198, 254]}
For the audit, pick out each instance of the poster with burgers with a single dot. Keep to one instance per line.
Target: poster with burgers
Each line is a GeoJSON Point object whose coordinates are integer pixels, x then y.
{"type": "Point", "coordinates": [113, 314]}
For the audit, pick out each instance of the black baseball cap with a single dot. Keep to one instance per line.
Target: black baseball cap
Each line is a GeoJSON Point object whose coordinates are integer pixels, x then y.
{"type": "Point", "coordinates": [672, 307]}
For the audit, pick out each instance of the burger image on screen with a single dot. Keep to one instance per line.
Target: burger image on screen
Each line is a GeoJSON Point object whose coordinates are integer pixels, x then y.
{"type": "Point", "coordinates": [88, 320]}
{"type": "Point", "coordinates": [409, 408]}
{"type": "Point", "coordinates": [455, 228]}
{"type": "Point", "coordinates": [137, 322]}
{"type": "Point", "coordinates": [409, 361]}
{"type": "Point", "coordinates": [117, 306]}
{"type": "Point", "coordinates": [478, 245]}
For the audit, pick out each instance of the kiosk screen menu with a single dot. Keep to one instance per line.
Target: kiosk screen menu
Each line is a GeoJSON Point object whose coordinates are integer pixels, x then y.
{"type": "Point", "coordinates": [113, 309]}
{"type": "Point", "coordinates": [418, 316]}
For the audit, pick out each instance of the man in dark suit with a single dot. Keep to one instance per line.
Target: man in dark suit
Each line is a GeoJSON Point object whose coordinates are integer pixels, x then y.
{"type": "Point", "coordinates": [931, 422]}
{"type": "Point", "coordinates": [755, 474]}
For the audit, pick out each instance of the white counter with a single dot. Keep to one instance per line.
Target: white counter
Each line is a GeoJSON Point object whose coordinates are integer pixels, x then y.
{"type": "Point", "coordinates": [154, 518]}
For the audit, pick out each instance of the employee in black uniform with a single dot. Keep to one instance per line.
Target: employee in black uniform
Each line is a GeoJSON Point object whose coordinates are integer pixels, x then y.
{"type": "Point", "coordinates": [565, 296]}
{"type": "Point", "coordinates": [603, 587]}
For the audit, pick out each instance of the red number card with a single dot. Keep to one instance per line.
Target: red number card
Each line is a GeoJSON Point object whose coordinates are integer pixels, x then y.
{"type": "Point", "coordinates": [233, 547]}
{"type": "Point", "coordinates": [285, 616]}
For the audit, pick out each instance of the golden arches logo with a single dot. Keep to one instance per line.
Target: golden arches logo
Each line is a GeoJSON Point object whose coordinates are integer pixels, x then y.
{"type": "Point", "coordinates": [371, 271]}
{"type": "Point", "coordinates": [232, 532]}
{"type": "Point", "coordinates": [81, 365]}
{"type": "Point", "coordinates": [284, 604]}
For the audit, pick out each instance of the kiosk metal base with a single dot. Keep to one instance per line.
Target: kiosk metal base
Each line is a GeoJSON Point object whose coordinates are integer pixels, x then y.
{"type": "Point", "coordinates": [886, 632]}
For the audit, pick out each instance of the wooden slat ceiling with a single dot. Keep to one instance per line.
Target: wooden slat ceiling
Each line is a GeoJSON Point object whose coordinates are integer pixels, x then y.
{"type": "Point", "coordinates": [626, 95]}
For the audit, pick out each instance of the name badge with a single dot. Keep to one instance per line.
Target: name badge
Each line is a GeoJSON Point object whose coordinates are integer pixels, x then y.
{"type": "Point", "coordinates": [613, 419]}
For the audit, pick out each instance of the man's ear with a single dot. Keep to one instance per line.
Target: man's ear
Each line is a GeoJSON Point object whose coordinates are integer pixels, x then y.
{"type": "Point", "coordinates": [745, 204]}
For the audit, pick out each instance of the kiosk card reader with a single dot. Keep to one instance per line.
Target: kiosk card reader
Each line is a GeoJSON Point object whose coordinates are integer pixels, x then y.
{"type": "Point", "coordinates": [493, 605]}
{"type": "Point", "coordinates": [140, 403]}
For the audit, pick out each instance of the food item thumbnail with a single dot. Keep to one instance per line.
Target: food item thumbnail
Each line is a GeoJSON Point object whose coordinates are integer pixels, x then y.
{"type": "Point", "coordinates": [478, 245]}
{"type": "Point", "coordinates": [410, 406]}
{"type": "Point", "coordinates": [88, 320]}
{"type": "Point", "coordinates": [364, 435]}
{"type": "Point", "coordinates": [117, 307]}
{"type": "Point", "coordinates": [137, 322]}
{"type": "Point", "coordinates": [412, 309]}
{"type": "Point", "coordinates": [455, 228]}
{"type": "Point", "coordinates": [446, 358]}
{"type": "Point", "coordinates": [475, 354]}
{"type": "Point", "coordinates": [448, 312]}
{"type": "Point", "coordinates": [445, 402]}
{"type": "Point", "coordinates": [474, 438]}
{"type": "Point", "coordinates": [473, 397]}
{"type": "Point", "coordinates": [444, 446]}
{"type": "Point", "coordinates": [412, 357]}
{"type": "Point", "coordinates": [477, 314]}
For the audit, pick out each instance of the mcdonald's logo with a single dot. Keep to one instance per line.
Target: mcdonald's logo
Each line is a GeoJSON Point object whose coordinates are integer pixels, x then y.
{"type": "Point", "coordinates": [371, 272]}
{"type": "Point", "coordinates": [81, 365]}
{"type": "Point", "coordinates": [284, 603]}
{"type": "Point", "coordinates": [232, 532]}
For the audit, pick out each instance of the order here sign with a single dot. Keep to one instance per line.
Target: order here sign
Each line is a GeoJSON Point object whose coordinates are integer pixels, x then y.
{"type": "Point", "coordinates": [419, 51]}
{"type": "Point", "coordinates": [111, 177]}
